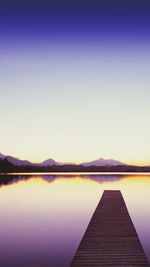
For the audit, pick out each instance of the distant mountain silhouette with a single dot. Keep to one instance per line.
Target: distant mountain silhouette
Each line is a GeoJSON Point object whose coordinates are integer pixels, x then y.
{"type": "Point", "coordinates": [11, 164]}
{"type": "Point", "coordinates": [15, 161]}
{"type": "Point", "coordinates": [2, 156]}
{"type": "Point", "coordinates": [18, 162]}
{"type": "Point", "coordinates": [103, 162]}
{"type": "Point", "coordinates": [48, 162]}
{"type": "Point", "coordinates": [8, 167]}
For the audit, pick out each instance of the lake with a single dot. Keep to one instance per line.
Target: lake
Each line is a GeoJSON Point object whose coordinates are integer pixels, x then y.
{"type": "Point", "coordinates": [43, 217]}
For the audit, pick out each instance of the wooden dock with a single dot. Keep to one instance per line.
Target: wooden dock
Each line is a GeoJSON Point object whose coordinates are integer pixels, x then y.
{"type": "Point", "coordinates": [110, 239]}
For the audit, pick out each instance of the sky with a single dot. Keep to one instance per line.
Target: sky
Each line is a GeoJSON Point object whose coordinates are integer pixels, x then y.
{"type": "Point", "coordinates": [74, 80]}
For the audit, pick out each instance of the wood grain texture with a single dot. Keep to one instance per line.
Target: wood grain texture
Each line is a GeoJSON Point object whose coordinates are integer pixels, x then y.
{"type": "Point", "coordinates": [110, 239]}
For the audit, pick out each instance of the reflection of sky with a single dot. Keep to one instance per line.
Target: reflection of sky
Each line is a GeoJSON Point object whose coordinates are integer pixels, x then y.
{"type": "Point", "coordinates": [42, 223]}
{"type": "Point", "coordinates": [74, 79]}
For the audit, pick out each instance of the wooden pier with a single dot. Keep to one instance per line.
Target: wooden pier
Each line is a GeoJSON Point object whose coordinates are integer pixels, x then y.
{"type": "Point", "coordinates": [110, 239]}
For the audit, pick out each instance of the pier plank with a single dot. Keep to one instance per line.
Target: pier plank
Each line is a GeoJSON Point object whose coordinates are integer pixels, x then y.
{"type": "Point", "coordinates": [110, 238]}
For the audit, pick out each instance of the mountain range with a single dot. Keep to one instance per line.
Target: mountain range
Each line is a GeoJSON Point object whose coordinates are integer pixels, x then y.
{"type": "Point", "coordinates": [103, 162]}
{"type": "Point", "coordinates": [51, 162]}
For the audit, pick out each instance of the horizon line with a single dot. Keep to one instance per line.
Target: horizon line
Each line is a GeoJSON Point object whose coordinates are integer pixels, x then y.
{"type": "Point", "coordinates": [131, 163]}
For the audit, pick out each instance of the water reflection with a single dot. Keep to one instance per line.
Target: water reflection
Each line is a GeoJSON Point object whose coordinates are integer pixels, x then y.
{"type": "Point", "coordinates": [10, 179]}
{"type": "Point", "coordinates": [43, 217]}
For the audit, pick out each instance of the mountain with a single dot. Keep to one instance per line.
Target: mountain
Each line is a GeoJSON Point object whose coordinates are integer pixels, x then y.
{"type": "Point", "coordinates": [10, 164]}
{"type": "Point", "coordinates": [48, 162]}
{"type": "Point", "coordinates": [16, 161]}
{"type": "Point", "coordinates": [52, 162]}
{"type": "Point", "coordinates": [103, 162]}
{"type": "Point", "coordinates": [19, 162]}
{"type": "Point", "coordinates": [2, 156]}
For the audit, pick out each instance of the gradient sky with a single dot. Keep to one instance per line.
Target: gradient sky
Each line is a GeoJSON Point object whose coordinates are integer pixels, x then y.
{"type": "Point", "coordinates": [74, 80]}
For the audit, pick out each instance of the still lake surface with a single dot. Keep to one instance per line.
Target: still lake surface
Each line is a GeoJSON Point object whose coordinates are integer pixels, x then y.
{"type": "Point", "coordinates": [43, 217]}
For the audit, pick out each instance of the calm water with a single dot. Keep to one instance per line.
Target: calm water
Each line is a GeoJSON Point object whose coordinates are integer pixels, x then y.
{"type": "Point", "coordinates": [43, 217]}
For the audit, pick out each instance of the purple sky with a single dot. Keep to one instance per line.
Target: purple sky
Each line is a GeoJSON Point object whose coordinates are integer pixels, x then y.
{"type": "Point", "coordinates": [74, 80]}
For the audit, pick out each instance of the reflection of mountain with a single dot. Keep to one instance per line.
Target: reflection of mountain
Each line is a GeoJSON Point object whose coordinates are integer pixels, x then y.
{"type": "Point", "coordinates": [11, 179]}
{"type": "Point", "coordinates": [100, 178]}
{"type": "Point", "coordinates": [104, 177]}
{"type": "Point", "coordinates": [49, 178]}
